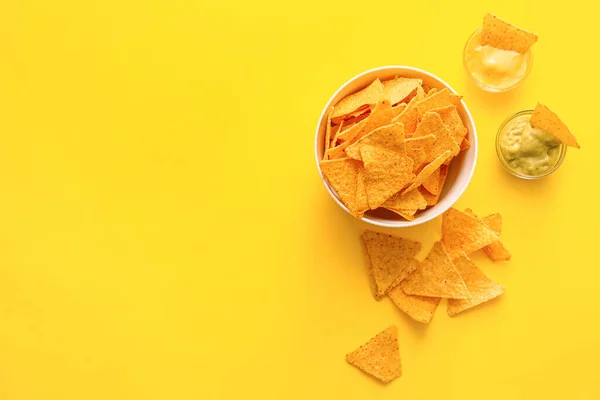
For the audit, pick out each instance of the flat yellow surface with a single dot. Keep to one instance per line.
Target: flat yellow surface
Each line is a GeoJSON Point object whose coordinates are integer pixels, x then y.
{"type": "Point", "coordinates": [165, 234]}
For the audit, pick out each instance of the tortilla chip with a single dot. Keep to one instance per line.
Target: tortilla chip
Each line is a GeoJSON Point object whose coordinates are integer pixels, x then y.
{"type": "Point", "coordinates": [436, 277]}
{"type": "Point", "coordinates": [479, 285]}
{"type": "Point", "coordinates": [461, 233]}
{"type": "Point", "coordinates": [412, 200]}
{"type": "Point", "coordinates": [496, 250]}
{"type": "Point", "coordinates": [417, 148]}
{"type": "Point", "coordinates": [380, 356]}
{"type": "Point", "coordinates": [432, 124]}
{"type": "Point", "coordinates": [341, 175]}
{"type": "Point", "coordinates": [465, 144]}
{"type": "Point", "coordinates": [409, 117]}
{"type": "Point", "coordinates": [399, 109]}
{"type": "Point", "coordinates": [386, 174]}
{"type": "Point", "coordinates": [327, 133]}
{"type": "Point", "coordinates": [432, 183]}
{"type": "Point", "coordinates": [391, 259]}
{"type": "Point", "coordinates": [362, 204]}
{"type": "Point", "coordinates": [420, 94]}
{"type": "Point", "coordinates": [353, 115]}
{"type": "Point", "coordinates": [419, 308]}
{"type": "Point", "coordinates": [428, 170]}
{"type": "Point", "coordinates": [431, 92]}
{"type": "Point", "coordinates": [545, 119]}
{"type": "Point", "coordinates": [439, 99]}
{"type": "Point", "coordinates": [396, 90]}
{"type": "Point", "coordinates": [380, 116]}
{"type": "Point", "coordinates": [503, 35]}
{"type": "Point", "coordinates": [452, 120]}
{"type": "Point", "coordinates": [372, 94]}
{"type": "Point", "coordinates": [408, 215]}
{"type": "Point", "coordinates": [390, 137]}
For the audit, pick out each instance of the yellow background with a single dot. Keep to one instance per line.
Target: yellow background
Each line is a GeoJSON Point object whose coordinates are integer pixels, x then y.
{"type": "Point", "coordinates": [164, 233]}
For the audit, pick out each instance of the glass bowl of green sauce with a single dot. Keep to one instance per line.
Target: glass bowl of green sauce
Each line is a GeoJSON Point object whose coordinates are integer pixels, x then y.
{"type": "Point", "coordinates": [527, 152]}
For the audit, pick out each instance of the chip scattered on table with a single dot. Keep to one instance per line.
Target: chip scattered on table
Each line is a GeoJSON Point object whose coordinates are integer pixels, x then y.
{"type": "Point", "coordinates": [436, 276]}
{"type": "Point", "coordinates": [463, 234]}
{"type": "Point", "coordinates": [496, 250]}
{"type": "Point", "coordinates": [391, 259]}
{"type": "Point", "coordinates": [380, 356]}
{"type": "Point", "coordinates": [419, 308]}
{"type": "Point", "coordinates": [481, 287]}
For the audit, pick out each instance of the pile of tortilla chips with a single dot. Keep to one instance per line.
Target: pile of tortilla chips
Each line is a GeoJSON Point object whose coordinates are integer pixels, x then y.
{"type": "Point", "coordinates": [503, 35]}
{"type": "Point", "coordinates": [447, 272]}
{"type": "Point", "coordinates": [418, 287]}
{"type": "Point", "coordinates": [389, 146]}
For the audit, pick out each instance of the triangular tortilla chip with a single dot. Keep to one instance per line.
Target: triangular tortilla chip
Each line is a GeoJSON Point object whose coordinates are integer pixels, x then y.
{"type": "Point", "coordinates": [463, 234]}
{"type": "Point", "coordinates": [432, 199]}
{"type": "Point", "coordinates": [545, 119]}
{"type": "Point", "coordinates": [391, 259]}
{"type": "Point", "coordinates": [369, 95]}
{"type": "Point", "coordinates": [452, 120]}
{"type": "Point", "coordinates": [362, 204]}
{"type": "Point", "coordinates": [409, 117]}
{"type": "Point", "coordinates": [412, 200]}
{"type": "Point", "coordinates": [417, 148]}
{"type": "Point", "coordinates": [396, 90]}
{"type": "Point", "coordinates": [380, 356]}
{"type": "Point", "coordinates": [341, 175]}
{"type": "Point", "coordinates": [419, 308]}
{"type": "Point", "coordinates": [428, 170]}
{"type": "Point", "coordinates": [438, 99]}
{"type": "Point", "coordinates": [386, 174]}
{"type": "Point", "coordinates": [436, 277]}
{"type": "Point", "coordinates": [496, 250]}
{"type": "Point", "coordinates": [432, 124]}
{"type": "Point", "coordinates": [390, 137]}
{"type": "Point", "coordinates": [503, 35]}
{"type": "Point", "coordinates": [432, 184]}
{"type": "Point", "coordinates": [479, 285]}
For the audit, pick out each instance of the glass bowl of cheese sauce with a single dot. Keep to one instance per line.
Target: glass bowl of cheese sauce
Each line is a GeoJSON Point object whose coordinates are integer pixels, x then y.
{"type": "Point", "coordinates": [494, 69]}
{"type": "Point", "coordinates": [525, 151]}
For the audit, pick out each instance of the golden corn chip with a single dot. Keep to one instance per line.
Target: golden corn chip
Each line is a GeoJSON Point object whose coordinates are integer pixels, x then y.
{"type": "Point", "coordinates": [439, 99]}
{"type": "Point", "coordinates": [503, 35]}
{"type": "Point", "coordinates": [420, 93]}
{"type": "Point", "coordinates": [409, 117]}
{"type": "Point", "coordinates": [353, 115]}
{"type": "Point", "coordinates": [465, 144]}
{"type": "Point", "coordinates": [342, 175]}
{"type": "Point", "coordinates": [396, 90]}
{"type": "Point", "coordinates": [428, 170]}
{"type": "Point", "coordinates": [432, 183]}
{"type": "Point", "coordinates": [390, 137]}
{"type": "Point", "coordinates": [327, 133]}
{"type": "Point", "coordinates": [391, 259]}
{"type": "Point", "coordinates": [432, 124]}
{"type": "Point", "coordinates": [412, 200]}
{"type": "Point", "coordinates": [496, 250]}
{"type": "Point", "coordinates": [545, 119]}
{"type": "Point", "coordinates": [453, 122]}
{"type": "Point", "coordinates": [461, 233]}
{"type": "Point", "coordinates": [380, 116]}
{"type": "Point", "coordinates": [431, 92]}
{"type": "Point", "coordinates": [380, 356]}
{"type": "Point", "coordinates": [432, 199]}
{"type": "Point", "coordinates": [397, 110]}
{"type": "Point", "coordinates": [479, 285]}
{"type": "Point", "coordinates": [419, 308]}
{"type": "Point", "coordinates": [372, 94]}
{"type": "Point", "coordinates": [436, 276]}
{"type": "Point", "coordinates": [386, 173]}
{"type": "Point", "coordinates": [417, 148]}
{"type": "Point", "coordinates": [362, 204]}
{"type": "Point", "coordinates": [408, 215]}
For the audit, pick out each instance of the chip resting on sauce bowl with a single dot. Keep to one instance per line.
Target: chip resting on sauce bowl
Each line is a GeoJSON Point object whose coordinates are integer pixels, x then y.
{"type": "Point", "coordinates": [396, 146]}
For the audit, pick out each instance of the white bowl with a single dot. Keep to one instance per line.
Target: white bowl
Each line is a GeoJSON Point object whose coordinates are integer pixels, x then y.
{"type": "Point", "coordinates": [460, 171]}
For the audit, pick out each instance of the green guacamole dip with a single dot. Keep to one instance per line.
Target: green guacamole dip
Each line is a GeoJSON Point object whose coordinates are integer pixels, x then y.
{"type": "Point", "coordinates": [527, 150]}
